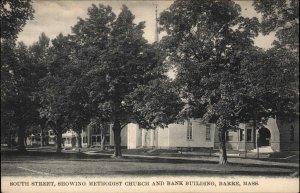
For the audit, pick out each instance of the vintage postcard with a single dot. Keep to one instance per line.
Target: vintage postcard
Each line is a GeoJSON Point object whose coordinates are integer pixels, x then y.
{"type": "Point", "coordinates": [149, 96]}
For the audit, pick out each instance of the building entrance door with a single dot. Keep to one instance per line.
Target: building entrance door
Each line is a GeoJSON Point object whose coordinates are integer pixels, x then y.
{"type": "Point", "coordinates": [264, 137]}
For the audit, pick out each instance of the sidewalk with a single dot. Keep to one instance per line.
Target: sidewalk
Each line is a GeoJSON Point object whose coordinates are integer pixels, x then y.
{"type": "Point", "coordinates": [205, 158]}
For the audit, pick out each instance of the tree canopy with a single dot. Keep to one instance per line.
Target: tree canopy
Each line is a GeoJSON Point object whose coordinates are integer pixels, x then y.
{"type": "Point", "coordinates": [281, 17]}
{"type": "Point", "coordinates": [106, 72]}
{"type": "Point", "coordinates": [281, 80]}
{"type": "Point", "coordinates": [18, 84]}
{"type": "Point", "coordinates": [14, 15]}
{"type": "Point", "coordinates": [18, 108]}
{"type": "Point", "coordinates": [119, 62]}
{"type": "Point", "coordinates": [206, 41]}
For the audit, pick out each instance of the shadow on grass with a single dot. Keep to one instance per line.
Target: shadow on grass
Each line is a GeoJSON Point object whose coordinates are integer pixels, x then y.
{"type": "Point", "coordinates": [295, 160]}
{"type": "Point", "coordinates": [8, 155]}
{"type": "Point", "coordinates": [77, 156]}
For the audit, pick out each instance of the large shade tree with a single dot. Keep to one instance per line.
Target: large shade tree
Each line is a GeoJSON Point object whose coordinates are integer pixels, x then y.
{"type": "Point", "coordinates": [18, 106]}
{"type": "Point", "coordinates": [269, 78]}
{"type": "Point", "coordinates": [206, 41]}
{"type": "Point", "coordinates": [281, 17]}
{"type": "Point", "coordinates": [54, 94]}
{"type": "Point", "coordinates": [39, 54]}
{"type": "Point", "coordinates": [80, 107]}
{"type": "Point", "coordinates": [274, 73]}
{"type": "Point", "coordinates": [119, 61]}
{"type": "Point", "coordinates": [156, 104]}
{"type": "Point", "coordinates": [14, 15]}
{"type": "Point", "coordinates": [64, 94]}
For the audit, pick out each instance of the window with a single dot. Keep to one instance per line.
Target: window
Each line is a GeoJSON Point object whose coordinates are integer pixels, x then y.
{"type": "Point", "coordinates": [249, 133]}
{"type": "Point", "coordinates": [292, 130]}
{"type": "Point", "coordinates": [242, 135]}
{"type": "Point", "coordinates": [84, 139]}
{"type": "Point", "coordinates": [189, 130]}
{"type": "Point", "coordinates": [229, 136]}
{"type": "Point", "coordinates": [208, 137]}
{"type": "Point", "coordinates": [98, 139]}
{"type": "Point", "coordinates": [107, 139]}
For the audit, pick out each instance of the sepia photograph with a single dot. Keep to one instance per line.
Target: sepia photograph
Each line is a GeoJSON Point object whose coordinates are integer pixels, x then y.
{"type": "Point", "coordinates": [146, 96]}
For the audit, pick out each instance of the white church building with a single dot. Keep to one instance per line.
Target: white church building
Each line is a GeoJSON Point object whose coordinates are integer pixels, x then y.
{"type": "Point", "coordinates": [190, 133]}
{"type": "Point", "coordinates": [194, 133]}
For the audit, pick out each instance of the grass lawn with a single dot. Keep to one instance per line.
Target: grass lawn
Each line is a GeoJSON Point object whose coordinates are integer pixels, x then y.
{"type": "Point", "coordinates": [58, 164]}
{"type": "Point", "coordinates": [286, 157]}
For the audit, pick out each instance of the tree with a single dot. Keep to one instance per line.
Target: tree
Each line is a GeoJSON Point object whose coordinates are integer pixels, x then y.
{"type": "Point", "coordinates": [39, 55]}
{"type": "Point", "coordinates": [78, 98]}
{"type": "Point", "coordinates": [8, 86]}
{"type": "Point", "coordinates": [90, 38]}
{"type": "Point", "coordinates": [18, 85]}
{"type": "Point", "coordinates": [281, 17]}
{"type": "Point", "coordinates": [269, 85]}
{"type": "Point", "coordinates": [206, 40]}
{"type": "Point", "coordinates": [119, 61]}
{"type": "Point", "coordinates": [281, 83]}
{"type": "Point", "coordinates": [54, 96]}
{"type": "Point", "coordinates": [77, 119]}
{"type": "Point", "coordinates": [156, 104]}
{"type": "Point", "coordinates": [14, 15]}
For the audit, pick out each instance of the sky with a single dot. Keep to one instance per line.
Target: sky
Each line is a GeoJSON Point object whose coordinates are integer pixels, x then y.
{"type": "Point", "coordinates": [58, 16]}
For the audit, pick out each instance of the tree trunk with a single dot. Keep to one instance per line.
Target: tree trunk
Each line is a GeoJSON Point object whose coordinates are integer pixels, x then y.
{"type": "Point", "coordinates": [58, 141]}
{"type": "Point", "coordinates": [25, 141]}
{"type": "Point", "coordinates": [222, 147]}
{"type": "Point", "coordinates": [102, 142]}
{"type": "Point", "coordinates": [21, 139]}
{"type": "Point", "coordinates": [79, 140]}
{"type": "Point", "coordinates": [256, 132]}
{"type": "Point", "coordinates": [42, 137]}
{"type": "Point", "coordinates": [103, 131]}
{"type": "Point", "coordinates": [117, 138]}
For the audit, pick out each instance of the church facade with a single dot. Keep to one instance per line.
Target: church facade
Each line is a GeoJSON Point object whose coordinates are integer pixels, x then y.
{"type": "Point", "coordinates": [194, 133]}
